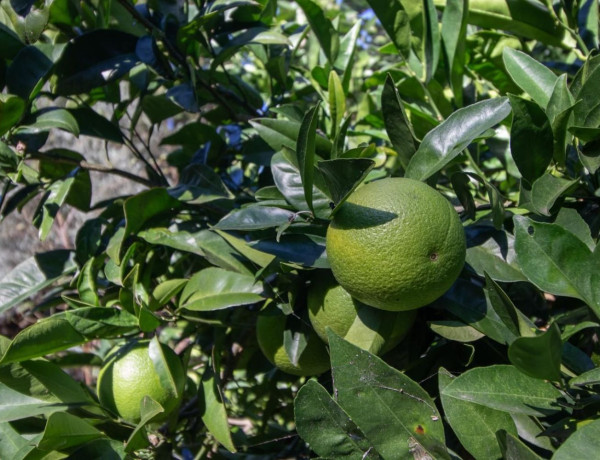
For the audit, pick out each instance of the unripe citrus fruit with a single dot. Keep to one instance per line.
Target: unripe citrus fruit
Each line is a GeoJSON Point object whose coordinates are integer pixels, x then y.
{"type": "Point", "coordinates": [396, 244]}
{"type": "Point", "coordinates": [130, 374]}
{"type": "Point", "coordinates": [270, 329]}
{"type": "Point", "coordinates": [372, 329]}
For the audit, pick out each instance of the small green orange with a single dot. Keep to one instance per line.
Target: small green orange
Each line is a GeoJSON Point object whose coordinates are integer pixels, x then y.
{"type": "Point", "coordinates": [396, 244]}
{"type": "Point", "coordinates": [270, 329]}
{"type": "Point", "coordinates": [372, 329]}
{"type": "Point", "coordinates": [130, 374]}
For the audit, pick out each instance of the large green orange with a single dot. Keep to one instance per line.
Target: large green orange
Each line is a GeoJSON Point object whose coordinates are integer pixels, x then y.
{"type": "Point", "coordinates": [130, 374]}
{"type": "Point", "coordinates": [270, 329]}
{"type": "Point", "coordinates": [372, 329]}
{"type": "Point", "coordinates": [396, 244]}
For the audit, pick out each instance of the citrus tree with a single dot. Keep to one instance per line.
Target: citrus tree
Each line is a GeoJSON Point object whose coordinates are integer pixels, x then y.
{"type": "Point", "coordinates": [199, 315]}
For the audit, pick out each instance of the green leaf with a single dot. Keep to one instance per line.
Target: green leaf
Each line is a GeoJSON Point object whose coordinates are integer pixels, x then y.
{"type": "Point", "coordinates": [322, 27]}
{"type": "Point", "coordinates": [213, 410]}
{"type": "Point", "coordinates": [397, 124]}
{"type": "Point", "coordinates": [546, 190]}
{"type": "Point", "coordinates": [386, 405]}
{"type": "Point", "coordinates": [302, 249]}
{"type": "Point", "coordinates": [64, 431]}
{"type": "Point", "coordinates": [513, 448]}
{"type": "Point", "coordinates": [454, 27]}
{"type": "Point", "coordinates": [559, 110]}
{"type": "Point", "coordinates": [584, 443]}
{"type": "Point", "coordinates": [474, 425]}
{"type": "Point", "coordinates": [284, 133]}
{"type": "Point", "coordinates": [94, 59]}
{"type": "Point", "coordinates": [11, 441]}
{"type": "Point", "coordinates": [557, 261]}
{"type": "Point", "coordinates": [294, 339]}
{"type": "Point", "coordinates": [67, 329]}
{"type": "Point", "coordinates": [395, 22]}
{"type": "Point", "coordinates": [214, 289]}
{"type": "Point", "coordinates": [242, 247]}
{"type": "Point", "coordinates": [455, 330]}
{"type": "Point", "coordinates": [33, 275]}
{"type": "Point", "coordinates": [586, 111]}
{"type": "Point", "coordinates": [93, 124]}
{"type": "Point", "coordinates": [11, 110]}
{"type": "Point", "coordinates": [27, 73]}
{"type": "Point", "coordinates": [10, 43]}
{"type": "Point", "coordinates": [431, 40]}
{"type": "Point", "coordinates": [589, 154]}
{"type": "Point", "coordinates": [337, 102]}
{"type": "Point", "coordinates": [531, 141]}
{"type": "Point", "coordinates": [540, 356]}
{"type": "Point", "coordinates": [324, 425]}
{"type": "Point", "coordinates": [50, 205]}
{"type": "Point", "coordinates": [495, 256]}
{"type": "Point", "coordinates": [159, 108]}
{"type": "Point", "coordinates": [168, 289]}
{"type": "Point", "coordinates": [255, 217]}
{"type": "Point", "coordinates": [443, 143]}
{"type": "Point", "coordinates": [589, 378]}
{"type": "Point", "coordinates": [505, 388]}
{"type": "Point", "coordinates": [305, 152]}
{"type": "Point", "coordinates": [343, 175]}
{"type": "Point", "coordinates": [534, 78]}
{"type": "Point", "coordinates": [16, 406]}
{"type": "Point", "coordinates": [149, 409]}
{"type": "Point", "coordinates": [52, 118]}
{"type": "Point", "coordinates": [571, 220]}
{"type": "Point", "coordinates": [286, 176]}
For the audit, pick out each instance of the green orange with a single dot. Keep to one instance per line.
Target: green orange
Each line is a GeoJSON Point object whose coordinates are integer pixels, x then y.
{"type": "Point", "coordinates": [374, 330]}
{"type": "Point", "coordinates": [270, 328]}
{"type": "Point", "coordinates": [130, 374]}
{"type": "Point", "coordinates": [396, 244]}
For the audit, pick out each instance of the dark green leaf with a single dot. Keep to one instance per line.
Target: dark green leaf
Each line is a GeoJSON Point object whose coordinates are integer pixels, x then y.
{"type": "Point", "coordinates": [199, 184]}
{"type": "Point", "coordinates": [366, 388]}
{"type": "Point", "coordinates": [26, 74]}
{"type": "Point", "coordinates": [214, 289]}
{"type": "Point", "coordinates": [34, 274]}
{"type": "Point", "coordinates": [343, 175]}
{"type": "Point", "coordinates": [303, 249]}
{"type": "Point", "coordinates": [474, 425]}
{"type": "Point", "coordinates": [531, 141]}
{"type": "Point", "coordinates": [397, 125]}
{"type": "Point", "coordinates": [455, 330]}
{"type": "Point", "coordinates": [64, 431]}
{"type": "Point", "coordinates": [284, 133]}
{"type": "Point", "coordinates": [50, 205]}
{"type": "Point", "coordinates": [586, 111]}
{"type": "Point", "coordinates": [539, 356]}
{"type": "Point", "coordinates": [431, 39]}
{"type": "Point", "coordinates": [255, 218]}
{"type": "Point", "coordinates": [534, 78]}
{"type": "Point", "coordinates": [443, 143]}
{"type": "Point", "coordinates": [149, 409]}
{"type": "Point", "coordinates": [324, 425]}
{"type": "Point", "coordinates": [48, 119]}
{"type": "Point", "coordinates": [15, 405]}
{"type": "Point", "coordinates": [504, 388]}
{"type": "Point", "coordinates": [322, 27]}
{"type": "Point", "coordinates": [572, 221]}
{"type": "Point", "coordinates": [94, 59]}
{"type": "Point", "coordinates": [11, 441]}
{"type": "Point", "coordinates": [159, 108]}
{"type": "Point", "coordinates": [93, 124]}
{"type": "Point", "coordinates": [10, 43]}
{"type": "Point", "coordinates": [305, 152]}
{"type": "Point", "coordinates": [337, 102]}
{"type": "Point", "coordinates": [454, 24]}
{"type": "Point", "coordinates": [589, 155]}
{"type": "Point", "coordinates": [395, 21]}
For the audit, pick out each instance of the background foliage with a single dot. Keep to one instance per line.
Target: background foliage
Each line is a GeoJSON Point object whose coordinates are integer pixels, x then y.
{"type": "Point", "coordinates": [275, 111]}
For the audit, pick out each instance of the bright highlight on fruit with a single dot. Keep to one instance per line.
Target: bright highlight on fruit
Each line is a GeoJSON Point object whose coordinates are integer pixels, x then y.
{"type": "Point", "coordinates": [396, 244]}
{"type": "Point", "coordinates": [372, 329]}
{"type": "Point", "coordinates": [130, 374]}
{"type": "Point", "coordinates": [270, 329]}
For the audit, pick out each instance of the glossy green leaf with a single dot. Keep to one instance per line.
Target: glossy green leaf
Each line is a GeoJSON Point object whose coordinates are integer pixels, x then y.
{"type": "Point", "coordinates": [284, 133]}
{"type": "Point", "coordinates": [455, 330]}
{"type": "Point", "coordinates": [16, 406]}
{"type": "Point", "coordinates": [539, 356]}
{"type": "Point", "coordinates": [149, 409]}
{"type": "Point", "coordinates": [49, 207]}
{"type": "Point", "coordinates": [255, 218]}
{"type": "Point", "coordinates": [571, 220]}
{"type": "Point", "coordinates": [161, 366]}
{"type": "Point", "coordinates": [431, 41]}
{"type": "Point", "coordinates": [557, 261]}
{"type": "Point", "coordinates": [453, 32]}
{"type": "Point", "coordinates": [584, 443]}
{"type": "Point", "coordinates": [244, 248]}
{"type": "Point", "coordinates": [214, 289]}
{"type": "Point", "coordinates": [531, 141]}
{"type": "Point", "coordinates": [531, 76]}
{"type": "Point", "coordinates": [33, 275]}
{"type": "Point", "coordinates": [27, 73]}
{"type": "Point", "coordinates": [213, 410]}
{"type": "Point", "coordinates": [93, 124]}
{"type": "Point", "coordinates": [305, 152]}
{"type": "Point", "coordinates": [559, 110]}
{"type": "Point", "coordinates": [67, 329]}
{"type": "Point", "coordinates": [302, 249]}
{"type": "Point", "coordinates": [48, 119]}
{"type": "Point", "coordinates": [286, 176]}
{"type": "Point", "coordinates": [363, 380]}
{"type": "Point", "coordinates": [586, 111]}
{"type": "Point", "coordinates": [347, 52]}
{"type": "Point", "coordinates": [546, 190]}
{"type": "Point", "coordinates": [474, 425]}
{"type": "Point", "coordinates": [343, 175]}
{"type": "Point", "coordinates": [395, 22]}
{"type": "Point", "coordinates": [513, 448]}
{"type": "Point", "coordinates": [11, 110]}
{"type": "Point", "coordinates": [337, 102]}
{"type": "Point", "coordinates": [64, 431]}
{"type": "Point", "coordinates": [443, 143]}
{"type": "Point", "coordinates": [168, 289]}
{"type": "Point", "coordinates": [324, 425]}
{"type": "Point", "coordinates": [397, 124]}
{"type": "Point", "coordinates": [589, 155]}
{"type": "Point", "coordinates": [591, 377]}
{"type": "Point", "coordinates": [504, 388]}
{"type": "Point", "coordinates": [11, 441]}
